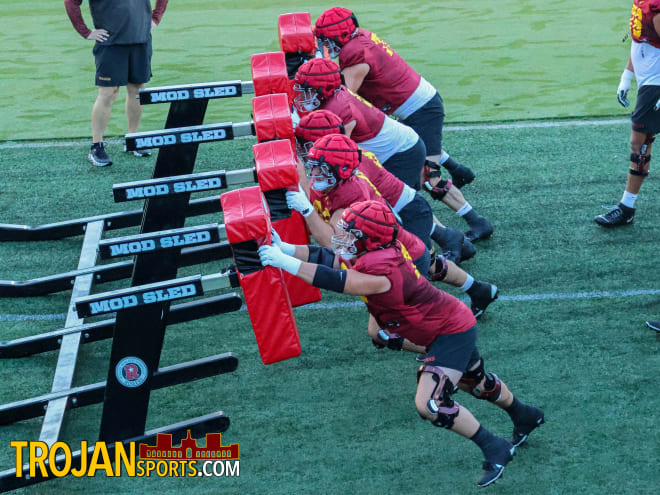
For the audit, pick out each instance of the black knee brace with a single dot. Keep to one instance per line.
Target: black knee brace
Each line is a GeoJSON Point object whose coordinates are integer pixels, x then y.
{"type": "Point", "coordinates": [492, 388]}
{"type": "Point", "coordinates": [441, 268]}
{"type": "Point", "coordinates": [440, 403]}
{"type": "Point", "coordinates": [642, 158]}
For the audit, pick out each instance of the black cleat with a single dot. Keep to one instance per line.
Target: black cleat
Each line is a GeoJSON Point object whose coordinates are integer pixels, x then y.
{"type": "Point", "coordinates": [617, 216]}
{"type": "Point", "coordinates": [461, 176]}
{"type": "Point", "coordinates": [468, 250]}
{"type": "Point", "coordinates": [534, 419]}
{"type": "Point", "coordinates": [452, 244]}
{"type": "Point", "coordinates": [481, 294]}
{"type": "Point", "coordinates": [98, 156]}
{"type": "Point", "coordinates": [479, 230]}
{"type": "Point", "coordinates": [421, 357]}
{"type": "Point", "coordinates": [653, 325]}
{"type": "Point", "coordinates": [494, 467]}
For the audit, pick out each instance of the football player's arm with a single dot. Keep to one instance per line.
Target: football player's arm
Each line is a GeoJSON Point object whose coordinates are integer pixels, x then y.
{"type": "Point", "coordinates": [321, 231]}
{"type": "Point", "coordinates": [354, 75]}
{"type": "Point", "coordinates": [322, 276]}
{"type": "Point", "coordinates": [354, 282]}
{"type": "Point", "coordinates": [348, 128]}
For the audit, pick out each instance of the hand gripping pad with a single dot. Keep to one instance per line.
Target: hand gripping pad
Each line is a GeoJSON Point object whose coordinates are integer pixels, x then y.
{"type": "Point", "coordinates": [276, 173]}
{"type": "Point", "coordinates": [247, 221]}
{"type": "Point", "coordinates": [295, 32]}
{"type": "Point", "coordinates": [272, 118]}
{"type": "Point", "coordinates": [269, 73]}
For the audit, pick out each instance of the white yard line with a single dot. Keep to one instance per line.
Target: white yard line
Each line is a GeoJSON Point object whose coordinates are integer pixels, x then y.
{"type": "Point", "coordinates": [352, 304]}
{"type": "Point", "coordinates": [449, 128]}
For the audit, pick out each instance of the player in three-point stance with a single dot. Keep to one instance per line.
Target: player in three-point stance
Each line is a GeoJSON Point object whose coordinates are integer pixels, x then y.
{"type": "Point", "coordinates": [369, 261]}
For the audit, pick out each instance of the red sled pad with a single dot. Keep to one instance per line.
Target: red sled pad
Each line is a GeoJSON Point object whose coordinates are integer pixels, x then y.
{"type": "Point", "coordinates": [247, 224]}
{"type": "Point", "coordinates": [295, 32]}
{"type": "Point", "coordinates": [272, 118]}
{"type": "Point", "coordinates": [277, 170]}
{"type": "Point", "coordinates": [269, 73]}
{"type": "Point", "coordinates": [276, 165]}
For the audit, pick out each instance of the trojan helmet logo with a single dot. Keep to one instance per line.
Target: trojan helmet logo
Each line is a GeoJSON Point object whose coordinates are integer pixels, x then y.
{"type": "Point", "coordinates": [131, 372]}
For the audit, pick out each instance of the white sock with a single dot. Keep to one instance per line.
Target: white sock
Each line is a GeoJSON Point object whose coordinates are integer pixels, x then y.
{"type": "Point", "coordinates": [464, 209]}
{"type": "Point", "coordinates": [444, 157]}
{"type": "Point", "coordinates": [468, 283]}
{"type": "Point", "coordinates": [628, 199]}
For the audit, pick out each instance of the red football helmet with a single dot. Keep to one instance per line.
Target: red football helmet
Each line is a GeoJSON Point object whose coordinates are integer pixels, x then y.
{"type": "Point", "coordinates": [316, 79]}
{"type": "Point", "coordinates": [368, 225]}
{"type": "Point", "coordinates": [334, 28]}
{"type": "Point", "coordinates": [315, 125]}
{"type": "Point", "coordinates": [337, 156]}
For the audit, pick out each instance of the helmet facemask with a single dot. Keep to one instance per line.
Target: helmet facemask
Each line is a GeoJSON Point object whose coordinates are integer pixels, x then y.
{"type": "Point", "coordinates": [307, 98]}
{"type": "Point", "coordinates": [323, 181]}
{"type": "Point", "coordinates": [345, 243]}
{"type": "Point", "coordinates": [332, 46]}
{"type": "Point", "coordinates": [302, 149]}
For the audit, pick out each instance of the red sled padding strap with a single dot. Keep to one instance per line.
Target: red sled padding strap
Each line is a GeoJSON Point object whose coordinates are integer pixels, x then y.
{"type": "Point", "coordinates": [247, 222]}
{"type": "Point", "coordinates": [272, 118]}
{"type": "Point", "coordinates": [269, 74]}
{"type": "Point", "coordinates": [295, 32]}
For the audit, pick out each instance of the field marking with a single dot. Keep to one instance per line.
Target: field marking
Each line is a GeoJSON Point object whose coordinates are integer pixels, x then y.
{"type": "Point", "coordinates": [354, 304]}
{"type": "Point", "coordinates": [475, 127]}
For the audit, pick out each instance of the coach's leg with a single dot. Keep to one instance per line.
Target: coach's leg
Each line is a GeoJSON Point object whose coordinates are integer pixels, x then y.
{"type": "Point", "coordinates": [133, 107]}
{"type": "Point", "coordinates": [102, 110]}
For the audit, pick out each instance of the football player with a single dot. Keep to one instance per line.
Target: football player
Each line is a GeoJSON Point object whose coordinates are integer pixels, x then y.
{"type": "Point", "coordinates": [319, 84]}
{"type": "Point", "coordinates": [336, 182]}
{"type": "Point", "coordinates": [376, 72]}
{"type": "Point", "coordinates": [412, 314]}
{"type": "Point", "coordinates": [414, 210]}
{"type": "Point", "coordinates": [644, 65]}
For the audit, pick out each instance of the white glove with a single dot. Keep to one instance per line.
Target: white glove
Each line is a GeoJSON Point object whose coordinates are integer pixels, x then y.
{"type": "Point", "coordinates": [657, 105]}
{"type": "Point", "coordinates": [273, 256]}
{"type": "Point", "coordinates": [285, 247]}
{"type": "Point", "coordinates": [624, 86]}
{"type": "Point", "coordinates": [297, 200]}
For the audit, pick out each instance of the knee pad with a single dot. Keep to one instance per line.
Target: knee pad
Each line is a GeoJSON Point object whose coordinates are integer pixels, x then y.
{"type": "Point", "coordinates": [639, 160]}
{"type": "Point", "coordinates": [440, 402]}
{"type": "Point", "coordinates": [441, 268]}
{"type": "Point", "coordinates": [431, 170]}
{"type": "Point", "coordinates": [492, 387]}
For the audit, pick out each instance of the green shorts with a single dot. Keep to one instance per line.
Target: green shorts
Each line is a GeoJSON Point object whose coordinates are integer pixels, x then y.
{"type": "Point", "coordinates": [118, 65]}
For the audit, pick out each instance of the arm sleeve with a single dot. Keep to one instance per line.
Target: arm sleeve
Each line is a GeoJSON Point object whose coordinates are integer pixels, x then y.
{"type": "Point", "coordinates": [158, 10]}
{"type": "Point", "coordinates": [321, 256]}
{"type": "Point", "coordinates": [73, 11]}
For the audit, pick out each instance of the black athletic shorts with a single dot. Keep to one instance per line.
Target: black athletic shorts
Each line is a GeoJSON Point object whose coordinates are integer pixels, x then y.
{"type": "Point", "coordinates": [417, 218]}
{"type": "Point", "coordinates": [457, 351]}
{"type": "Point", "coordinates": [407, 165]}
{"type": "Point", "coordinates": [427, 122]}
{"type": "Point", "coordinates": [644, 118]}
{"type": "Point", "coordinates": [117, 65]}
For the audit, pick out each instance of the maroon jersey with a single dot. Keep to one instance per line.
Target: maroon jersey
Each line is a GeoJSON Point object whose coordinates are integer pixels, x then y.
{"type": "Point", "coordinates": [389, 186]}
{"type": "Point", "coordinates": [412, 308]}
{"type": "Point", "coordinates": [641, 21]}
{"type": "Point", "coordinates": [349, 107]}
{"type": "Point", "coordinates": [357, 188]}
{"type": "Point", "coordinates": [390, 80]}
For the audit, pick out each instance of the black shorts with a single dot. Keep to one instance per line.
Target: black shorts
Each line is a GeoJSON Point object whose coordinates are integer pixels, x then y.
{"type": "Point", "coordinates": [117, 65]}
{"type": "Point", "coordinates": [417, 218]}
{"type": "Point", "coordinates": [457, 351]}
{"type": "Point", "coordinates": [644, 118]}
{"type": "Point", "coordinates": [427, 122]}
{"type": "Point", "coordinates": [407, 165]}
